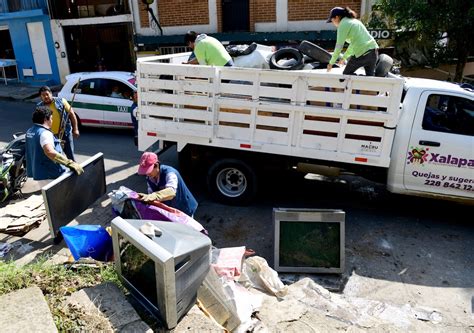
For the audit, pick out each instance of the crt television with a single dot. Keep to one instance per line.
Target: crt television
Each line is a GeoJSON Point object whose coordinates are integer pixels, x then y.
{"type": "Point", "coordinates": [163, 272]}
{"type": "Point", "coordinates": [69, 195]}
{"type": "Point", "coordinates": [309, 240]}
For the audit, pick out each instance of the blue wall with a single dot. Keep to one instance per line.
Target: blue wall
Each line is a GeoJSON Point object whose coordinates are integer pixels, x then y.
{"type": "Point", "coordinates": [16, 23]}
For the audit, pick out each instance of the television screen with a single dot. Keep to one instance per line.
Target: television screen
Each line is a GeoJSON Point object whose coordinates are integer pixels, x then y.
{"type": "Point", "coordinates": [138, 269]}
{"type": "Point", "coordinates": [309, 240]}
{"type": "Point", "coordinates": [163, 272]}
{"type": "Point", "coordinates": [69, 195]}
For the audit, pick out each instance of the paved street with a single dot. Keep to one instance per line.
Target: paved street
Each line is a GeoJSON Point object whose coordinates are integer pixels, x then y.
{"type": "Point", "coordinates": [400, 250]}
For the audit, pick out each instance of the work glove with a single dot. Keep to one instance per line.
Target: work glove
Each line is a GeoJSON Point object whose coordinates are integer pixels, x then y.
{"type": "Point", "coordinates": [61, 159]}
{"type": "Point", "coordinates": [163, 195]}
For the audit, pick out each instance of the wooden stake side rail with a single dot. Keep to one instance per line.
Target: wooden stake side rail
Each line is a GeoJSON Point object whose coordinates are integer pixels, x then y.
{"type": "Point", "coordinates": [349, 119]}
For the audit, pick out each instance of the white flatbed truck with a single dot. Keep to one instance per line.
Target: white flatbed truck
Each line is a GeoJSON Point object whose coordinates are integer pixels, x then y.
{"type": "Point", "coordinates": [416, 135]}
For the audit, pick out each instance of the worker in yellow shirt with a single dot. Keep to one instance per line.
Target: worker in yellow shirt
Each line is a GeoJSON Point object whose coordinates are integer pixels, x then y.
{"type": "Point", "coordinates": [65, 125]}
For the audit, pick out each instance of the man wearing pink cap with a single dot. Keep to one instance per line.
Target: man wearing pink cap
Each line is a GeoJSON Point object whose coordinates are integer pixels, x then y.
{"type": "Point", "coordinates": [165, 184]}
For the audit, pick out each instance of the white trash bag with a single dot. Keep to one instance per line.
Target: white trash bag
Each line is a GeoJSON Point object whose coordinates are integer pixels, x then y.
{"type": "Point", "coordinates": [256, 273]}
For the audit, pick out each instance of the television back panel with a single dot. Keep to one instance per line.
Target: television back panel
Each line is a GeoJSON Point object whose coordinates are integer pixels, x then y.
{"type": "Point", "coordinates": [69, 195]}
{"type": "Point", "coordinates": [309, 240]}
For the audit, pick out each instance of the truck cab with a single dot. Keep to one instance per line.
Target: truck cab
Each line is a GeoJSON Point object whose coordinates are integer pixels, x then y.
{"type": "Point", "coordinates": [433, 150]}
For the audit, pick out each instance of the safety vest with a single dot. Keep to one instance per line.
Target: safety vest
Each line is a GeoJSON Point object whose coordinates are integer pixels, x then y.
{"type": "Point", "coordinates": [63, 114]}
{"type": "Point", "coordinates": [184, 200]}
{"type": "Point", "coordinates": [38, 165]}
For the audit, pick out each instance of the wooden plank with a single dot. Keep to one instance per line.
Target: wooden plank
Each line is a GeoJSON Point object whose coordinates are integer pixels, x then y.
{"type": "Point", "coordinates": [318, 142]}
{"type": "Point", "coordinates": [180, 85]}
{"type": "Point", "coordinates": [160, 111]}
{"type": "Point", "coordinates": [234, 133]}
{"type": "Point", "coordinates": [365, 130]}
{"type": "Point", "coordinates": [179, 128]}
{"type": "Point", "coordinates": [234, 117]}
{"type": "Point", "coordinates": [236, 89]}
{"type": "Point", "coordinates": [321, 126]}
{"type": "Point", "coordinates": [271, 137]}
{"type": "Point", "coordinates": [156, 97]}
{"type": "Point", "coordinates": [273, 121]}
{"type": "Point", "coordinates": [285, 93]}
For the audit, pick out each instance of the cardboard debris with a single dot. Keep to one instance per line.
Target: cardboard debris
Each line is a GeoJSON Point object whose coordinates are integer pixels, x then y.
{"type": "Point", "coordinates": [21, 216]}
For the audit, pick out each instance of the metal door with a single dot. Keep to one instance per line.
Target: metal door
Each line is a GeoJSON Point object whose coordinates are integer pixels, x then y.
{"type": "Point", "coordinates": [235, 15]}
{"type": "Point", "coordinates": [39, 48]}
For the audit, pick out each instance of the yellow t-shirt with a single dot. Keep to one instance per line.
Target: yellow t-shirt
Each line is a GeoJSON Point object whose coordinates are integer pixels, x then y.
{"type": "Point", "coordinates": [57, 116]}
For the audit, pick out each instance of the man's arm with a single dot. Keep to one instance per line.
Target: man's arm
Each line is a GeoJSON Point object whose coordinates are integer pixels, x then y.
{"type": "Point", "coordinates": [49, 151]}
{"type": "Point", "coordinates": [75, 128]}
{"type": "Point", "coordinates": [56, 157]}
{"type": "Point", "coordinates": [72, 117]}
{"type": "Point", "coordinates": [168, 193]}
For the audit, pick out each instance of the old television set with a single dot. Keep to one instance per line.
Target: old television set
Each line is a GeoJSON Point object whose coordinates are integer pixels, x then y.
{"type": "Point", "coordinates": [163, 272]}
{"type": "Point", "coordinates": [309, 240]}
{"type": "Point", "coordinates": [74, 193]}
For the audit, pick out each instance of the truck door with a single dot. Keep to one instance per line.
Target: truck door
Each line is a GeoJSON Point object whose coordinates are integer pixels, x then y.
{"type": "Point", "coordinates": [440, 156]}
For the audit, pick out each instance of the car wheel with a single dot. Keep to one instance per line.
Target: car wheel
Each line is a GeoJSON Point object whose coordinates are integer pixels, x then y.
{"type": "Point", "coordinates": [287, 53]}
{"type": "Point", "coordinates": [383, 66]}
{"type": "Point", "coordinates": [232, 182]}
{"type": "Point", "coordinates": [315, 52]}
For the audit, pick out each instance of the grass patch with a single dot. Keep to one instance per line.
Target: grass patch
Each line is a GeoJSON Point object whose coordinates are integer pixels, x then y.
{"type": "Point", "coordinates": [57, 282]}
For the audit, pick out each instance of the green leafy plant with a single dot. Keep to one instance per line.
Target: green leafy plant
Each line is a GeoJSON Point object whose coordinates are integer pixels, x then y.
{"type": "Point", "coordinates": [435, 30]}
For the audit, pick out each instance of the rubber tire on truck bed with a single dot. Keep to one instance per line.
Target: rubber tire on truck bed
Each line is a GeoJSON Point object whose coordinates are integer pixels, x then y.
{"type": "Point", "coordinates": [315, 52]}
{"type": "Point", "coordinates": [232, 181]}
{"type": "Point", "coordinates": [384, 65]}
{"type": "Point", "coordinates": [284, 53]}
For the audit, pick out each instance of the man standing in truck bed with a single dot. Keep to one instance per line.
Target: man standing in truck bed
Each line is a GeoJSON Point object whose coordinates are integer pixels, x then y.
{"type": "Point", "coordinates": [207, 49]}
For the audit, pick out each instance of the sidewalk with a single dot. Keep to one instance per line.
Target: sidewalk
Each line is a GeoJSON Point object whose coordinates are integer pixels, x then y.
{"type": "Point", "coordinates": [20, 91]}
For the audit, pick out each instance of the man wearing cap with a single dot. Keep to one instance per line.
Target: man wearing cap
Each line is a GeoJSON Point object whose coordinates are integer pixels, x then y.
{"type": "Point", "coordinates": [165, 184]}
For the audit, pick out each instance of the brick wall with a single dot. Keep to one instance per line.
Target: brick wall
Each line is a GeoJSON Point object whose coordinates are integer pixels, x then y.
{"type": "Point", "coordinates": [183, 12]}
{"type": "Point", "coordinates": [219, 15]}
{"type": "Point", "coordinates": [264, 10]}
{"type": "Point", "coordinates": [301, 10]}
{"type": "Point", "coordinates": [144, 19]}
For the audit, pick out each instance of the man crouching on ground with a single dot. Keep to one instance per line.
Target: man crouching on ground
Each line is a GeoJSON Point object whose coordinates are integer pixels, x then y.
{"type": "Point", "coordinates": [44, 155]}
{"type": "Point", "coordinates": [165, 184]}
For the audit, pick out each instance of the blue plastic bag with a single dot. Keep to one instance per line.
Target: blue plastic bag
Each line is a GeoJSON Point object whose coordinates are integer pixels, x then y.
{"type": "Point", "coordinates": [88, 241]}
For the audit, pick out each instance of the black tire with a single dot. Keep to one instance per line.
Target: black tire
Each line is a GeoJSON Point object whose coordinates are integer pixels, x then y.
{"type": "Point", "coordinates": [315, 52]}
{"type": "Point", "coordinates": [232, 182]}
{"type": "Point", "coordinates": [287, 53]}
{"type": "Point", "coordinates": [384, 65]}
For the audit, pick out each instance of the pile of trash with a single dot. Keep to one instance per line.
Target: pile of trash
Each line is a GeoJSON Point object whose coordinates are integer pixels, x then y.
{"type": "Point", "coordinates": [225, 294]}
{"type": "Point", "coordinates": [305, 56]}
{"type": "Point", "coordinates": [21, 216]}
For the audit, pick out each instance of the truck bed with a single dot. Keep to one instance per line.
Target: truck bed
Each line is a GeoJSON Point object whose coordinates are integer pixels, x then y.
{"type": "Point", "coordinates": [308, 114]}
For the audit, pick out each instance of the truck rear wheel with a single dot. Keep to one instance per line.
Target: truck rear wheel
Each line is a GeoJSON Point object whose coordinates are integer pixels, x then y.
{"type": "Point", "coordinates": [232, 182]}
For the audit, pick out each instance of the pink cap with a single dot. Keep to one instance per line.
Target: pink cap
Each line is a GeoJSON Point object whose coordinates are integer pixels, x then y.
{"type": "Point", "coordinates": [147, 162]}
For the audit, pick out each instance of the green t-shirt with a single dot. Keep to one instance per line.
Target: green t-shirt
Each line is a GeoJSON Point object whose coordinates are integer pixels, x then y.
{"type": "Point", "coordinates": [209, 51]}
{"type": "Point", "coordinates": [353, 32]}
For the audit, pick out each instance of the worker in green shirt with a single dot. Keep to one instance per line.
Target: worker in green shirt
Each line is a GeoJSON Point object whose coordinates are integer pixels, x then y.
{"type": "Point", "coordinates": [208, 50]}
{"type": "Point", "coordinates": [362, 50]}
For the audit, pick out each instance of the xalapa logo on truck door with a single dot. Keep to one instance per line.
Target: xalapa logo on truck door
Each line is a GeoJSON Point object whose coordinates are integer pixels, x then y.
{"type": "Point", "coordinates": [421, 156]}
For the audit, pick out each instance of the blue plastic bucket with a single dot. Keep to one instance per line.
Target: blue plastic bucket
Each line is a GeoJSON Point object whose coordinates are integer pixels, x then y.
{"type": "Point", "coordinates": [88, 241]}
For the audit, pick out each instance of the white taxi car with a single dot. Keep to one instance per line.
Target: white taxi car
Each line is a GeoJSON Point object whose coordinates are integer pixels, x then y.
{"type": "Point", "coordinates": [103, 99]}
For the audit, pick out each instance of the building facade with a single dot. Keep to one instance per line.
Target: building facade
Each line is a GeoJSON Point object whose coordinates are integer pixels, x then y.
{"type": "Point", "coordinates": [26, 37]}
{"type": "Point", "coordinates": [92, 35]}
{"type": "Point", "coordinates": [263, 21]}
